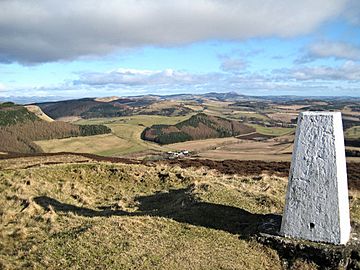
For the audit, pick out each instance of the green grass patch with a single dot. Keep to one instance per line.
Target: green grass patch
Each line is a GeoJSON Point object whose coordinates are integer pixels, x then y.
{"type": "Point", "coordinates": [275, 131]}
{"type": "Point", "coordinates": [249, 115]}
{"type": "Point", "coordinates": [353, 133]}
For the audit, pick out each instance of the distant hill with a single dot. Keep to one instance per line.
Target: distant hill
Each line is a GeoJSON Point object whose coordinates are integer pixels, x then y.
{"type": "Point", "coordinates": [200, 126]}
{"type": "Point", "coordinates": [148, 104]}
{"type": "Point", "coordinates": [110, 107]}
{"type": "Point", "coordinates": [19, 127]}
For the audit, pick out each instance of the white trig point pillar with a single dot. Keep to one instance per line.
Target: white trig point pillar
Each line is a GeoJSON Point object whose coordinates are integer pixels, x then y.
{"type": "Point", "coordinates": [317, 204]}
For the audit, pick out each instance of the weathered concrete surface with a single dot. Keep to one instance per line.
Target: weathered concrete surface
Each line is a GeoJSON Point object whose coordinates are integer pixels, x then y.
{"type": "Point", "coordinates": [317, 206]}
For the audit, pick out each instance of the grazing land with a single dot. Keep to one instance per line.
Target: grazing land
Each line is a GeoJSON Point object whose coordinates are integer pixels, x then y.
{"type": "Point", "coordinates": [125, 138]}
{"type": "Point", "coordinates": [272, 122]}
{"type": "Point", "coordinates": [71, 212]}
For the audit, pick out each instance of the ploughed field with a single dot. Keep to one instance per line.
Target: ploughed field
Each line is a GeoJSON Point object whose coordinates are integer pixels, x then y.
{"type": "Point", "coordinates": [73, 211]}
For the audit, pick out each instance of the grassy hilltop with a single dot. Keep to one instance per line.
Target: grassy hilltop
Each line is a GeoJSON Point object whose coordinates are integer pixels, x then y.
{"type": "Point", "coordinates": [77, 213]}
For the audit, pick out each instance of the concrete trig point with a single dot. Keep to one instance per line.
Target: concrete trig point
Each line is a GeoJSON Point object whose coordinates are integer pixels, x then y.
{"type": "Point", "coordinates": [317, 205]}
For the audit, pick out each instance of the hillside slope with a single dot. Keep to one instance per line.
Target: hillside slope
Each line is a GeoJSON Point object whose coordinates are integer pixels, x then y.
{"type": "Point", "coordinates": [200, 126]}
{"type": "Point", "coordinates": [11, 114]}
{"type": "Point", "coordinates": [19, 127]}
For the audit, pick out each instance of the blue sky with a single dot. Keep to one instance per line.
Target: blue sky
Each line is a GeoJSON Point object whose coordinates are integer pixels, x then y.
{"type": "Point", "coordinates": [87, 48]}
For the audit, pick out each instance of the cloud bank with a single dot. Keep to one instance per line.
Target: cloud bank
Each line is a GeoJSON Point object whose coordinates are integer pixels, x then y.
{"type": "Point", "coordinates": [326, 49]}
{"type": "Point", "coordinates": [2, 87]}
{"type": "Point", "coordinates": [349, 71]}
{"type": "Point", "coordinates": [37, 31]}
{"type": "Point", "coordinates": [295, 79]}
{"type": "Point", "coordinates": [138, 77]}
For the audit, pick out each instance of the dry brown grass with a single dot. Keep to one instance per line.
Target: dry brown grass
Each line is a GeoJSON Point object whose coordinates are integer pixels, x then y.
{"type": "Point", "coordinates": [117, 216]}
{"type": "Point", "coordinates": [38, 112]}
{"type": "Point", "coordinates": [293, 107]}
{"type": "Point", "coordinates": [106, 99]}
{"type": "Point", "coordinates": [283, 117]}
{"type": "Point", "coordinates": [304, 265]}
{"type": "Point", "coordinates": [201, 145]}
{"type": "Point", "coordinates": [69, 119]}
{"type": "Point", "coordinates": [102, 215]}
{"type": "Point", "coordinates": [269, 150]}
{"type": "Point", "coordinates": [98, 144]}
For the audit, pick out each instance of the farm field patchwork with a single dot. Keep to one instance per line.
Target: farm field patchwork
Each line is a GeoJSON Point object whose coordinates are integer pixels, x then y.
{"type": "Point", "coordinates": [266, 117]}
{"type": "Point", "coordinates": [125, 137]}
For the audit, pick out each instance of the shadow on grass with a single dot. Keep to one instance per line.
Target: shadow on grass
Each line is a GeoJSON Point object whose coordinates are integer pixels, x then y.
{"type": "Point", "coordinates": [180, 205]}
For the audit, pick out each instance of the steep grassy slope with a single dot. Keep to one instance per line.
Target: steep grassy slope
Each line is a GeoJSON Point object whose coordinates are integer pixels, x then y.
{"type": "Point", "coordinates": [119, 216]}
{"type": "Point", "coordinates": [200, 126]}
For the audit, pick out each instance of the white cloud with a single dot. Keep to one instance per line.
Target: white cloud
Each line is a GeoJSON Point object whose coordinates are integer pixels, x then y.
{"type": "Point", "coordinates": [2, 87]}
{"type": "Point", "coordinates": [326, 49]}
{"type": "Point", "coordinates": [352, 12]}
{"type": "Point", "coordinates": [305, 81]}
{"type": "Point", "coordinates": [296, 80]}
{"type": "Point", "coordinates": [235, 65]}
{"type": "Point", "coordinates": [136, 77]}
{"type": "Point", "coordinates": [35, 31]}
{"type": "Point", "coordinates": [349, 71]}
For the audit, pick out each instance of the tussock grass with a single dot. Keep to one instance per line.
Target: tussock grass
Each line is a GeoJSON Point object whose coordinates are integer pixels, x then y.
{"type": "Point", "coordinates": [117, 216]}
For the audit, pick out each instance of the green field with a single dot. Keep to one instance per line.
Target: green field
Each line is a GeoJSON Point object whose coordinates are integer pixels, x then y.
{"type": "Point", "coordinates": [353, 133]}
{"type": "Point", "coordinates": [243, 114]}
{"type": "Point", "coordinates": [125, 137]}
{"type": "Point", "coordinates": [275, 131]}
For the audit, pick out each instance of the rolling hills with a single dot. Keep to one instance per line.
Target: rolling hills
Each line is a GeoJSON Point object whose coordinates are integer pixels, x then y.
{"type": "Point", "coordinates": [270, 116]}
{"type": "Point", "coordinates": [197, 127]}
{"type": "Point", "coordinates": [112, 107]}
{"type": "Point", "coordinates": [76, 211]}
